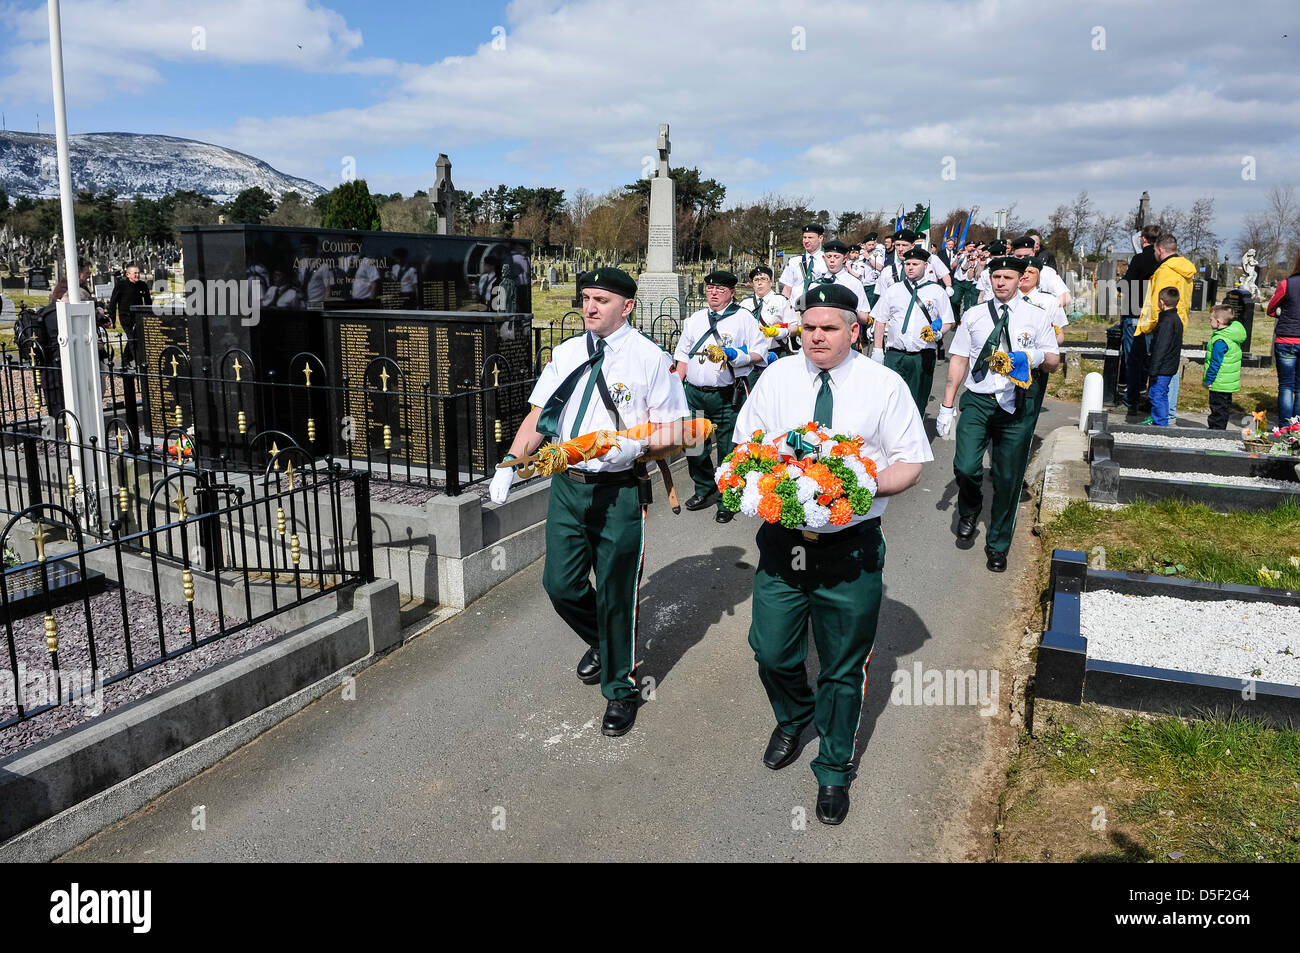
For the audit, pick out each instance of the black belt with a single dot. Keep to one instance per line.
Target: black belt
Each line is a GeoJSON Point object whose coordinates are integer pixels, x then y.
{"type": "Point", "coordinates": [899, 350]}
{"type": "Point", "coordinates": [617, 478]}
{"type": "Point", "coordinates": [853, 533]}
{"type": "Point", "coordinates": [714, 390]}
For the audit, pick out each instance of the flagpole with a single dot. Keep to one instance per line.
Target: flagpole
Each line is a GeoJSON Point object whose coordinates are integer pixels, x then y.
{"type": "Point", "coordinates": [65, 170]}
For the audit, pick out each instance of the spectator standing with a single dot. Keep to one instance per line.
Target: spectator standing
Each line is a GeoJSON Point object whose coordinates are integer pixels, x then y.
{"type": "Point", "coordinates": [128, 292]}
{"type": "Point", "coordinates": [1285, 307]}
{"type": "Point", "coordinates": [1140, 269]}
{"type": "Point", "coordinates": [1174, 271]}
{"type": "Point", "coordinates": [1166, 355]}
{"type": "Point", "coordinates": [1223, 363]}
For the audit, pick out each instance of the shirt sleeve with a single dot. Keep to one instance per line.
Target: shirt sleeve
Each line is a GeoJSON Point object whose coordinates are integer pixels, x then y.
{"type": "Point", "coordinates": [1277, 298]}
{"type": "Point", "coordinates": [940, 269]}
{"type": "Point", "coordinates": [666, 399]}
{"type": "Point", "coordinates": [547, 382]}
{"type": "Point", "coordinates": [902, 434]}
{"type": "Point", "coordinates": [1047, 337]}
{"type": "Point", "coordinates": [684, 343]}
{"type": "Point", "coordinates": [961, 342]}
{"type": "Point", "coordinates": [943, 309]}
{"type": "Point", "coordinates": [881, 311]}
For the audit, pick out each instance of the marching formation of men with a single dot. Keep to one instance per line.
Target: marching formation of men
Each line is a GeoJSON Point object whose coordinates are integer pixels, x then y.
{"type": "Point", "coordinates": [849, 340]}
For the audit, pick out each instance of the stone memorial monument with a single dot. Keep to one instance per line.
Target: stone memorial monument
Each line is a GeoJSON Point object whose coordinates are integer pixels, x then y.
{"type": "Point", "coordinates": [444, 197]}
{"type": "Point", "coordinates": [660, 290]}
{"type": "Point", "coordinates": [1248, 273]}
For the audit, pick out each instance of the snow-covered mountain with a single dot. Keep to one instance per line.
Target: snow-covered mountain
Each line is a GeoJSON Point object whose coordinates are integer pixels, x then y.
{"type": "Point", "coordinates": [131, 163]}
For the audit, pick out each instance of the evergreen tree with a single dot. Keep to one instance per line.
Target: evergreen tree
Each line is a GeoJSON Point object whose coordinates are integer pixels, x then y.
{"type": "Point", "coordinates": [351, 206]}
{"type": "Point", "coordinates": [251, 206]}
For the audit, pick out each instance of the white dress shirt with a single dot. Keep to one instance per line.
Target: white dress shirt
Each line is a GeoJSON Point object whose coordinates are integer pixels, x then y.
{"type": "Point", "coordinates": [870, 401]}
{"type": "Point", "coordinates": [892, 309]}
{"type": "Point", "coordinates": [641, 386]}
{"type": "Point", "coordinates": [738, 329]}
{"type": "Point", "coordinates": [1027, 327]}
{"type": "Point", "coordinates": [793, 274]}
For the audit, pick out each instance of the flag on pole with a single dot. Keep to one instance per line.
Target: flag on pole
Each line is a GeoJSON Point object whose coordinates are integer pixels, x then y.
{"type": "Point", "coordinates": [924, 224]}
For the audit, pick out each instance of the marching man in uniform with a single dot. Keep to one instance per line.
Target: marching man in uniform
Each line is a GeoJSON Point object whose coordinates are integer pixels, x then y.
{"type": "Point", "coordinates": [800, 272]}
{"type": "Point", "coordinates": [770, 311]}
{"type": "Point", "coordinates": [717, 347]}
{"type": "Point", "coordinates": [910, 318]}
{"type": "Point", "coordinates": [996, 350]}
{"type": "Point", "coordinates": [837, 272]}
{"type": "Point", "coordinates": [837, 582]}
{"type": "Point", "coordinates": [611, 378]}
{"type": "Point", "coordinates": [872, 261]}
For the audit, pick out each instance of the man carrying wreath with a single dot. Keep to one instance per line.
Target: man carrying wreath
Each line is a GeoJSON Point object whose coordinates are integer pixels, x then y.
{"type": "Point", "coordinates": [832, 575]}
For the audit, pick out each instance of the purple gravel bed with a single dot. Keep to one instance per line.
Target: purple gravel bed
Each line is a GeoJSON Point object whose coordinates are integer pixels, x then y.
{"type": "Point", "coordinates": [110, 647]}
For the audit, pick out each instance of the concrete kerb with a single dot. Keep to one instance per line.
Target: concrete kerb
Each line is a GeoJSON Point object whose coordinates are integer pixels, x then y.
{"type": "Point", "coordinates": [54, 796]}
{"type": "Point", "coordinates": [1065, 673]}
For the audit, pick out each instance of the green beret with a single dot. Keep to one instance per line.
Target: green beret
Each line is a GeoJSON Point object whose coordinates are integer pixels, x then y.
{"type": "Point", "coordinates": [760, 270]}
{"type": "Point", "coordinates": [1024, 241]}
{"type": "Point", "coordinates": [814, 227]}
{"type": "Point", "coordinates": [1007, 262]}
{"type": "Point", "coordinates": [1036, 261]}
{"type": "Point", "coordinates": [905, 235]}
{"type": "Point", "coordinates": [916, 254]}
{"type": "Point", "coordinates": [828, 296]}
{"type": "Point", "coordinates": [871, 237]}
{"type": "Point", "coordinates": [997, 247]}
{"type": "Point", "coordinates": [609, 279]}
{"type": "Point", "coordinates": [835, 245]}
{"type": "Point", "coordinates": [724, 278]}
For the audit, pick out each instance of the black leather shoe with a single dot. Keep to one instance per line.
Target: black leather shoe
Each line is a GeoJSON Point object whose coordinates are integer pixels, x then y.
{"type": "Point", "coordinates": [589, 667]}
{"type": "Point", "coordinates": [698, 502]}
{"type": "Point", "coordinates": [724, 516]}
{"type": "Point", "coordinates": [966, 526]}
{"type": "Point", "coordinates": [781, 749]}
{"type": "Point", "coordinates": [997, 562]}
{"type": "Point", "coordinates": [832, 803]}
{"type": "Point", "coordinates": [620, 714]}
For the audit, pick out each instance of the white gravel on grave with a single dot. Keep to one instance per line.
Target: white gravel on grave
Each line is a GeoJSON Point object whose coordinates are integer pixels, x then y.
{"type": "Point", "coordinates": [1191, 477]}
{"type": "Point", "coordinates": [1182, 443]}
{"type": "Point", "coordinates": [1230, 638]}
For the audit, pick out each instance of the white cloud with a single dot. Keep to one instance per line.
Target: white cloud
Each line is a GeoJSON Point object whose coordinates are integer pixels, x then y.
{"type": "Point", "coordinates": [110, 46]}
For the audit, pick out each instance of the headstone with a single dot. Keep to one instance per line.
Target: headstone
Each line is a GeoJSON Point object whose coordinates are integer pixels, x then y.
{"type": "Point", "coordinates": [38, 279]}
{"type": "Point", "coordinates": [6, 308]}
{"type": "Point", "coordinates": [660, 288]}
{"type": "Point", "coordinates": [552, 275]}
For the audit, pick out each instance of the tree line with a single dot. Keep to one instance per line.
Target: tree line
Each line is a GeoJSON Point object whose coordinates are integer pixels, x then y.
{"type": "Point", "coordinates": [614, 225]}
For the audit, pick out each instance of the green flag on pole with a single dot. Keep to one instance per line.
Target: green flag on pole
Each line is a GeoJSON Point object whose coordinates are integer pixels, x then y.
{"type": "Point", "coordinates": [924, 224]}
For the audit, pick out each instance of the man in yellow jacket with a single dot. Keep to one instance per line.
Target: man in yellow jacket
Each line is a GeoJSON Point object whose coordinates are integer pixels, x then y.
{"type": "Point", "coordinates": [1174, 271]}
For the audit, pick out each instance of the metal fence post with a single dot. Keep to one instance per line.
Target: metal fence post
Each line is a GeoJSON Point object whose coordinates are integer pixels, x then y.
{"type": "Point", "coordinates": [365, 540]}
{"type": "Point", "coordinates": [451, 445]}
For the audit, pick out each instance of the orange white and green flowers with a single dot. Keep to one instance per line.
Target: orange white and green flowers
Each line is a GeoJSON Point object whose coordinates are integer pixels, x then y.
{"type": "Point", "coordinates": [831, 483]}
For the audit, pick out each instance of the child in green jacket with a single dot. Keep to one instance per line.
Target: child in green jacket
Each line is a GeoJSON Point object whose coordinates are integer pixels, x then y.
{"type": "Point", "coordinates": [1223, 363]}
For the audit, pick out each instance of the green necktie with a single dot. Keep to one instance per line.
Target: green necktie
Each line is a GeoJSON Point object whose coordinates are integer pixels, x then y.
{"type": "Point", "coordinates": [981, 368]}
{"type": "Point", "coordinates": [549, 421]}
{"type": "Point", "coordinates": [591, 385]}
{"type": "Point", "coordinates": [824, 408]}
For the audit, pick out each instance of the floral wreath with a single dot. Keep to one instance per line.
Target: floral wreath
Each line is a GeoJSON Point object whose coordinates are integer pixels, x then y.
{"type": "Point", "coordinates": [830, 483]}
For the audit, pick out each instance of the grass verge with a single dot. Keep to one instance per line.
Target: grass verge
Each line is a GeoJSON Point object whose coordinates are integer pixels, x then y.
{"type": "Point", "coordinates": [1185, 539]}
{"type": "Point", "coordinates": [1107, 787]}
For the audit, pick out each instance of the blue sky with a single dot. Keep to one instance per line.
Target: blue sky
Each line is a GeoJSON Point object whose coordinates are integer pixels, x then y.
{"type": "Point", "coordinates": [849, 106]}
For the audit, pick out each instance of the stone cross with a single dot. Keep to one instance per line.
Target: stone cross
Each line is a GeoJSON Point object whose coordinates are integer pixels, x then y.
{"type": "Point", "coordinates": [664, 147]}
{"type": "Point", "coordinates": [444, 197]}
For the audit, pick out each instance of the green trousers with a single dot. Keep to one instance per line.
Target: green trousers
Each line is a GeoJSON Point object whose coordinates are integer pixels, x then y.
{"type": "Point", "coordinates": [917, 370]}
{"type": "Point", "coordinates": [717, 407]}
{"type": "Point", "coordinates": [983, 424]}
{"type": "Point", "coordinates": [604, 527]}
{"type": "Point", "coordinates": [872, 297]}
{"type": "Point", "coordinates": [968, 295]}
{"type": "Point", "coordinates": [838, 587]}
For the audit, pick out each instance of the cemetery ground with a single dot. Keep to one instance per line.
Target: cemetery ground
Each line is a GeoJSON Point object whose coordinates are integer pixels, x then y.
{"type": "Point", "coordinates": [1098, 785]}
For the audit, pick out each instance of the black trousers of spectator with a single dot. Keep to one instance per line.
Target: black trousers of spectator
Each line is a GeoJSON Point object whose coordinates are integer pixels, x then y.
{"type": "Point", "coordinates": [1220, 409]}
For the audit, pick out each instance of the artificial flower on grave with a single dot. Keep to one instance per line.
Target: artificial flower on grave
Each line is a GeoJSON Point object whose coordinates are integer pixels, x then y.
{"type": "Point", "coordinates": [830, 483]}
{"type": "Point", "coordinates": [1254, 430]}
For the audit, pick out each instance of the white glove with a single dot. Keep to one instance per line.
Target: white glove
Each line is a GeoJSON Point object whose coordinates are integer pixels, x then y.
{"type": "Point", "coordinates": [502, 481]}
{"type": "Point", "coordinates": [626, 452]}
{"type": "Point", "coordinates": [1035, 356]}
{"type": "Point", "coordinates": [878, 355]}
{"type": "Point", "coordinates": [951, 291]}
{"type": "Point", "coordinates": [782, 334]}
{"type": "Point", "coordinates": [943, 423]}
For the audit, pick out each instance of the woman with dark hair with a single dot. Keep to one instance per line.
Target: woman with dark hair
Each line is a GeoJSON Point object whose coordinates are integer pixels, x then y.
{"type": "Point", "coordinates": [1285, 306]}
